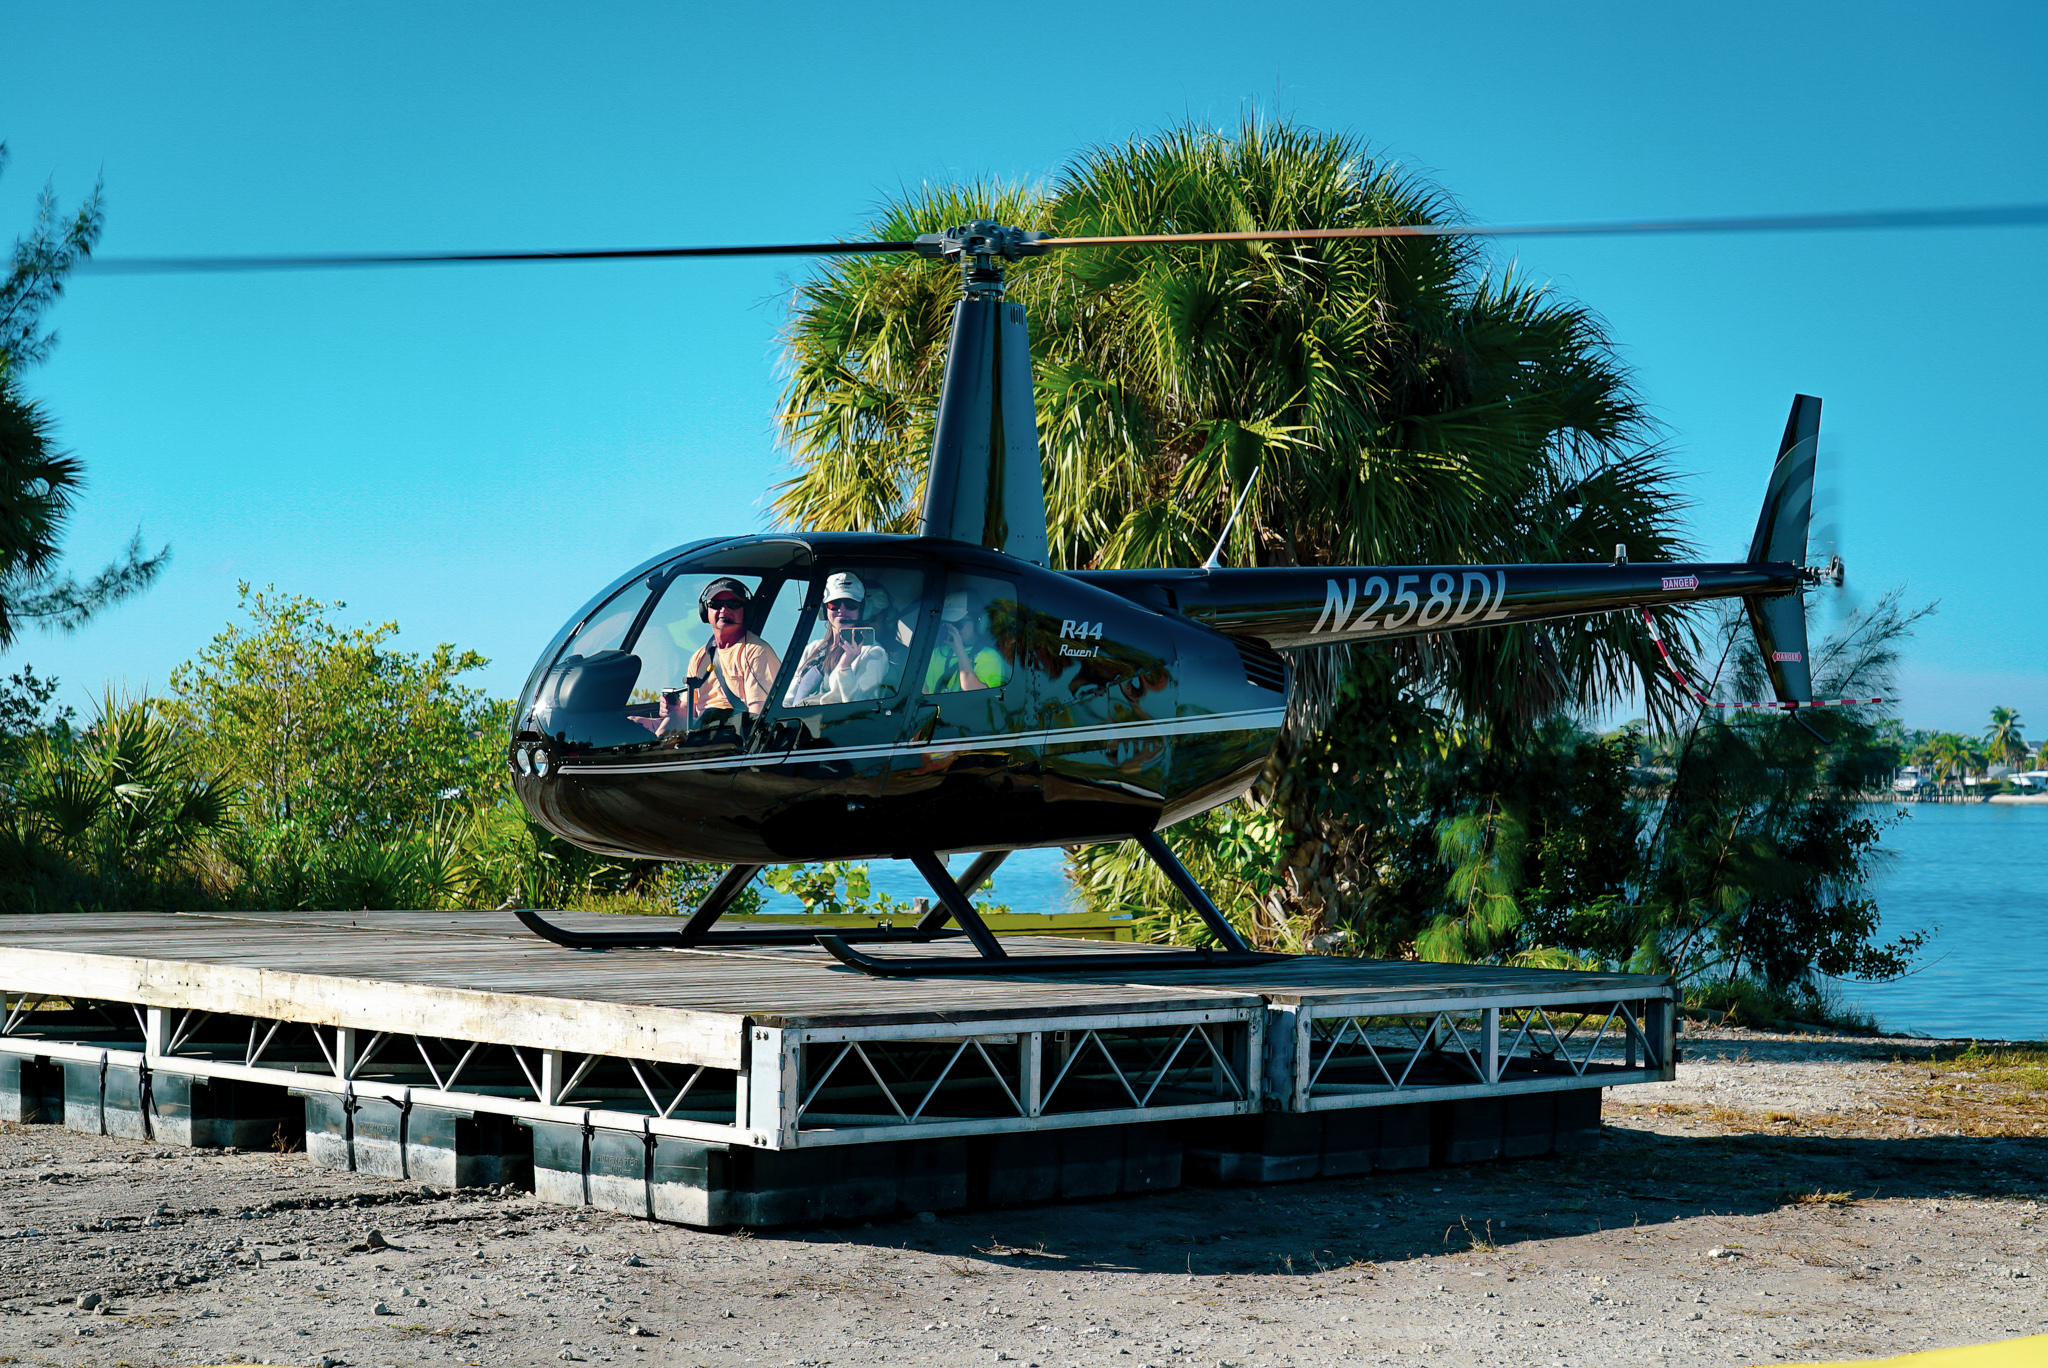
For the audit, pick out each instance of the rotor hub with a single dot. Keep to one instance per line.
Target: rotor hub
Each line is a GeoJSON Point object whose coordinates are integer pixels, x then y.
{"type": "Point", "coordinates": [1830, 574]}
{"type": "Point", "coordinates": [978, 247]}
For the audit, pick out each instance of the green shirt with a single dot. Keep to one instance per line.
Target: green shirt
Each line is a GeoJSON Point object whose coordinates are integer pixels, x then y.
{"type": "Point", "coordinates": [942, 675]}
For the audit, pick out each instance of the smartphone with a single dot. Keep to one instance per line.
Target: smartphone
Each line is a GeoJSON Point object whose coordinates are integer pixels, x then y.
{"type": "Point", "coordinates": [862, 636]}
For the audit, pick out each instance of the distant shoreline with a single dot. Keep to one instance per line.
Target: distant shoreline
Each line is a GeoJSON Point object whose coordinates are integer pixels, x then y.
{"type": "Point", "coordinates": [1953, 800]}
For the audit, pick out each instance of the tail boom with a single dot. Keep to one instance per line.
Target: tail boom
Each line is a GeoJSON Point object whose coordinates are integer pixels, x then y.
{"type": "Point", "coordinates": [1288, 607]}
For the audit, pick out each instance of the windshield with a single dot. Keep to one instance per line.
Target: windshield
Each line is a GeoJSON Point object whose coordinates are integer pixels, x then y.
{"type": "Point", "coordinates": [669, 655]}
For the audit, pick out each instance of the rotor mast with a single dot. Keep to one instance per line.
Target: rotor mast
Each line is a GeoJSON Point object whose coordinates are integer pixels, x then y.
{"type": "Point", "coordinates": [985, 484]}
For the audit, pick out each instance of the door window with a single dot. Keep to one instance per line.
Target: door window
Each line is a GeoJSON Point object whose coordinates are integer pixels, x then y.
{"type": "Point", "coordinates": [976, 642]}
{"type": "Point", "coordinates": [686, 682]}
{"type": "Point", "coordinates": [859, 636]}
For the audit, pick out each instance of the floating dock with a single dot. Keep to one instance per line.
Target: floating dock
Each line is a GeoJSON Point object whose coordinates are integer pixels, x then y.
{"type": "Point", "coordinates": [769, 1086]}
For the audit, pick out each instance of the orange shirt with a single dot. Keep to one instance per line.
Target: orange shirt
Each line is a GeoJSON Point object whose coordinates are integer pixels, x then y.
{"type": "Point", "coordinates": [749, 664]}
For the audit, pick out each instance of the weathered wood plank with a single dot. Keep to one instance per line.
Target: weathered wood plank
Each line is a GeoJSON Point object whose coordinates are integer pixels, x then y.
{"type": "Point", "coordinates": [458, 972]}
{"type": "Point", "coordinates": [668, 1034]}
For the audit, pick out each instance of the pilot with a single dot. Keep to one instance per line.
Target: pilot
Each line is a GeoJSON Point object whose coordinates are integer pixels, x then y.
{"type": "Point", "coordinates": [962, 658]}
{"type": "Point", "coordinates": [734, 661]}
{"type": "Point", "coordinates": [845, 665]}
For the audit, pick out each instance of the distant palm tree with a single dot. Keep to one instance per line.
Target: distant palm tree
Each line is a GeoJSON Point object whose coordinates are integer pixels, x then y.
{"type": "Point", "coordinates": [2002, 739]}
{"type": "Point", "coordinates": [1954, 756]}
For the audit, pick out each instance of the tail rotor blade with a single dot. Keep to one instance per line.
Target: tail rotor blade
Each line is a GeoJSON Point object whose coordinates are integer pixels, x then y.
{"type": "Point", "coordinates": [1831, 540]}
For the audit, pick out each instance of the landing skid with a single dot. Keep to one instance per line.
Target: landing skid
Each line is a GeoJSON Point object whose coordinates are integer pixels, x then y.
{"type": "Point", "coordinates": [696, 933]}
{"type": "Point", "coordinates": [952, 905]}
{"type": "Point", "coordinates": [994, 959]}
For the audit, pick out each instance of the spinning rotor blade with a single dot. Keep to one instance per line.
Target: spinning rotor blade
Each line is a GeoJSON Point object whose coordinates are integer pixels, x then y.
{"type": "Point", "coordinates": [336, 260]}
{"type": "Point", "coordinates": [1994, 216]}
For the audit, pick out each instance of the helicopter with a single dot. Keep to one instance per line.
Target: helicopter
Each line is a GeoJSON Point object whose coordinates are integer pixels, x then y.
{"type": "Point", "coordinates": [786, 697]}
{"type": "Point", "coordinates": [979, 700]}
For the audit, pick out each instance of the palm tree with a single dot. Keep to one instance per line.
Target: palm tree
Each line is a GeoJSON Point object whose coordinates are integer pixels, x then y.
{"type": "Point", "coordinates": [1954, 756]}
{"type": "Point", "coordinates": [2002, 739]}
{"type": "Point", "coordinates": [128, 804]}
{"type": "Point", "coordinates": [1398, 403]}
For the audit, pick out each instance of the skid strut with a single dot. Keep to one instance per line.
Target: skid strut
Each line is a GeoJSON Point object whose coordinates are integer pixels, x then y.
{"type": "Point", "coordinates": [994, 959]}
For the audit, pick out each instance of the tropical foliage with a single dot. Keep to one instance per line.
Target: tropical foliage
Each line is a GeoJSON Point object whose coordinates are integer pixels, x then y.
{"type": "Point", "coordinates": [123, 814]}
{"type": "Point", "coordinates": [38, 483]}
{"type": "Point", "coordinates": [1399, 403]}
{"type": "Point", "coordinates": [298, 763]}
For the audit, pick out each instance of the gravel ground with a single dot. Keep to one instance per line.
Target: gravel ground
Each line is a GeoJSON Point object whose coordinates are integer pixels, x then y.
{"type": "Point", "coordinates": [1787, 1199]}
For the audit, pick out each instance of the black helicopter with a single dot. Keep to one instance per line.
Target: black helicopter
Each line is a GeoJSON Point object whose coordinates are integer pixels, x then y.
{"type": "Point", "coordinates": [825, 696]}
{"type": "Point", "coordinates": [790, 697]}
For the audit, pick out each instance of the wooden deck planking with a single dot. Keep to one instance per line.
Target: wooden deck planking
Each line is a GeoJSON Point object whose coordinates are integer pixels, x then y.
{"type": "Point", "coordinates": [805, 987]}
{"type": "Point", "coordinates": [463, 966]}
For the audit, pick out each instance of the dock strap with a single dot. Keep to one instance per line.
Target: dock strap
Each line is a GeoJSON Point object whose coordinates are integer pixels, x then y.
{"type": "Point", "coordinates": [648, 1140]}
{"type": "Point", "coordinates": [404, 1105]}
{"type": "Point", "coordinates": [350, 1105]}
{"type": "Point", "coordinates": [145, 1098]}
{"type": "Point", "coordinates": [589, 1132]}
{"type": "Point", "coordinates": [103, 1092]}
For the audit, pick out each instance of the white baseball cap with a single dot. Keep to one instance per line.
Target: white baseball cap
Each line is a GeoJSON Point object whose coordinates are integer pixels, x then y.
{"type": "Point", "coordinates": [844, 586]}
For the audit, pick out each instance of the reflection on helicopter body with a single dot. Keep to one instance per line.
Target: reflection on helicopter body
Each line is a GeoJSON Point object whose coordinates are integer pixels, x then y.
{"type": "Point", "coordinates": [921, 691]}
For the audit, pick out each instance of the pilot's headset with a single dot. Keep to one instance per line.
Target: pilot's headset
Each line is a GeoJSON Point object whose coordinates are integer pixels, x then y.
{"type": "Point", "coordinates": [722, 585]}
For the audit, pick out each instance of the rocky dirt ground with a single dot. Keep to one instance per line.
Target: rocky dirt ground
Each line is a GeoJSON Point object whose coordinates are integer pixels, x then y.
{"type": "Point", "coordinates": [1789, 1198]}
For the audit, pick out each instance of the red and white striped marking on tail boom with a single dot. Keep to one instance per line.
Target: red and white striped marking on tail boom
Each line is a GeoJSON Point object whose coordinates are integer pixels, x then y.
{"type": "Point", "coordinates": [1772, 705]}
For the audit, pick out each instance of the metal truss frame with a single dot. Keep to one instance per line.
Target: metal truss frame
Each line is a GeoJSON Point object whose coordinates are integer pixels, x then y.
{"type": "Point", "coordinates": [1333, 1054]}
{"type": "Point", "coordinates": [1149, 1063]}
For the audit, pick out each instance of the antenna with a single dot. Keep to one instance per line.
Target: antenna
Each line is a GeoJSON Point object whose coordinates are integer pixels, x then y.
{"type": "Point", "coordinates": [1216, 555]}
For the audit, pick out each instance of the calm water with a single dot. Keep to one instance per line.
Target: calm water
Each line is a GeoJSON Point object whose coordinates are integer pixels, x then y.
{"type": "Point", "coordinates": [1029, 881]}
{"type": "Point", "coordinates": [1977, 872]}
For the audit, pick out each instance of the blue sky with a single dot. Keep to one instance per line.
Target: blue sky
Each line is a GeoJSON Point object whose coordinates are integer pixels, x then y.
{"type": "Point", "coordinates": [471, 452]}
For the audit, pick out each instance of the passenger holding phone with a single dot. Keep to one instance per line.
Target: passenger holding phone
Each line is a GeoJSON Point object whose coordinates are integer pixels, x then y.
{"type": "Point", "coordinates": [845, 665]}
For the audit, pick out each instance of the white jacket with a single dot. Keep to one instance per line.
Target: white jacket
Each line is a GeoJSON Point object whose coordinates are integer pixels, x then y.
{"type": "Point", "coordinates": [851, 682]}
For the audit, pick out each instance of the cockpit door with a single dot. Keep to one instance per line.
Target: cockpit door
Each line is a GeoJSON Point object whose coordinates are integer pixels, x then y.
{"type": "Point", "coordinates": [1108, 704]}
{"type": "Point", "coordinates": [841, 700]}
{"type": "Point", "coordinates": [966, 764]}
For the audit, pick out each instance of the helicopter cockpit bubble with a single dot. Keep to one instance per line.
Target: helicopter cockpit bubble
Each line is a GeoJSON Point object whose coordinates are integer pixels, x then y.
{"type": "Point", "coordinates": [640, 672]}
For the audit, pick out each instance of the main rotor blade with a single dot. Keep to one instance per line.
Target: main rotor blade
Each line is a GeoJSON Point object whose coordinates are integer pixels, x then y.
{"type": "Point", "coordinates": [1994, 216]}
{"type": "Point", "coordinates": [337, 260]}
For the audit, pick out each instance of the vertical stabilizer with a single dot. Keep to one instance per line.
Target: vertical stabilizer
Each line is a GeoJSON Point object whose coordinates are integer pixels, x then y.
{"type": "Point", "coordinates": [985, 484]}
{"type": "Point", "coordinates": [1780, 621]}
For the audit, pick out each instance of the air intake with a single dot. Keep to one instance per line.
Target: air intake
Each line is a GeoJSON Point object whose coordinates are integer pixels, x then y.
{"type": "Point", "coordinates": [1263, 665]}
